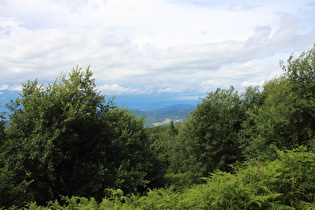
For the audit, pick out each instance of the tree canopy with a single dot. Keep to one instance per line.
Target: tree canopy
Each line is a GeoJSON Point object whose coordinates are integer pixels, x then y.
{"type": "Point", "coordinates": [211, 132]}
{"type": "Point", "coordinates": [285, 117]}
{"type": "Point", "coordinates": [66, 139]}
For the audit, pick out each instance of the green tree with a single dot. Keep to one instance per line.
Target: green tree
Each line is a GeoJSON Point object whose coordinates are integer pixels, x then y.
{"type": "Point", "coordinates": [166, 144]}
{"type": "Point", "coordinates": [210, 133]}
{"type": "Point", "coordinates": [10, 187]}
{"type": "Point", "coordinates": [272, 123]}
{"type": "Point", "coordinates": [285, 117]}
{"type": "Point", "coordinates": [136, 165]}
{"type": "Point", "coordinates": [2, 128]}
{"type": "Point", "coordinates": [300, 72]}
{"type": "Point", "coordinates": [65, 139]}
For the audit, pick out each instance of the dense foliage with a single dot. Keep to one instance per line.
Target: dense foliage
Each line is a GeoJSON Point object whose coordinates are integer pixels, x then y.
{"type": "Point", "coordinates": [2, 127]}
{"type": "Point", "coordinates": [65, 139]}
{"type": "Point", "coordinates": [285, 118]}
{"type": "Point", "coordinates": [211, 132]}
{"type": "Point", "coordinates": [251, 150]}
{"type": "Point", "coordinates": [166, 143]}
{"type": "Point", "coordinates": [286, 183]}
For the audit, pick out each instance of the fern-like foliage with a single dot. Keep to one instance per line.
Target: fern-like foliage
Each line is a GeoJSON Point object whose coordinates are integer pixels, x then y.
{"type": "Point", "coordinates": [285, 183]}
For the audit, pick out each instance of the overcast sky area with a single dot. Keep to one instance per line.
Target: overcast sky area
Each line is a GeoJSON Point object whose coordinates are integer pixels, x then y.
{"type": "Point", "coordinates": [152, 52]}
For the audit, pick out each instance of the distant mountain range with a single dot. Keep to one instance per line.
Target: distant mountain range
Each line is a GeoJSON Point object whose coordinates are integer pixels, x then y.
{"type": "Point", "coordinates": [163, 116]}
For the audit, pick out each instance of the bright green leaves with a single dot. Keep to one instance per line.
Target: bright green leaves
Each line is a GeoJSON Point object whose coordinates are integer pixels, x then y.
{"type": "Point", "coordinates": [301, 72]}
{"type": "Point", "coordinates": [271, 123]}
{"type": "Point", "coordinates": [285, 117]}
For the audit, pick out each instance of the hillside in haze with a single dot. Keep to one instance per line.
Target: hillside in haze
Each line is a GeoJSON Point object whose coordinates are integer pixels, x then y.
{"type": "Point", "coordinates": [162, 116]}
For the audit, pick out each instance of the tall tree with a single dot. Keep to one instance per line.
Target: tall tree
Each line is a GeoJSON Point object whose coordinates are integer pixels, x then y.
{"type": "Point", "coordinates": [300, 72]}
{"type": "Point", "coordinates": [286, 116]}
{"type": "Point", "coordinates": [2, 127]}
{"type": "Point", "coordinates": [211, 132]}
{"type": "Point", "coordinates": [66, 139]}
{"type": "Point", "coordinates": [167, 145]}
{"type": "Point", "coordinates": [271, 123]}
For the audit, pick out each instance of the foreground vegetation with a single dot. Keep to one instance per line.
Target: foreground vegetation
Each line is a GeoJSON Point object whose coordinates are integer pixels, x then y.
{"type": "Point", "coordinates": [286, 183]}
{"type": "Point", "coordinates": [69, 148]}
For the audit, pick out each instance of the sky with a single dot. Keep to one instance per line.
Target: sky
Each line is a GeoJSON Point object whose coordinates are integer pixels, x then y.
{"type": "Point", "coordinates": [151, 53]}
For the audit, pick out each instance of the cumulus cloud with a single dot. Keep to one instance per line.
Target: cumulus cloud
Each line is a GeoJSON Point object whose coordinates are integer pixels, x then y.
{"type": "Point", "coordinates": [152, 47]}
{"type": "Point", "coordinates": [120, 90]}
{"type": "Point", "coordinates": [261, 36]}
{"type": "Point", "coordinates": [4, 87]}
{"type": "Point", "coordinates": [14, 87]}
{"type": "Point", "coordinates": [251, 83]}
{"type": "Point", "coordinates": [228, 4]}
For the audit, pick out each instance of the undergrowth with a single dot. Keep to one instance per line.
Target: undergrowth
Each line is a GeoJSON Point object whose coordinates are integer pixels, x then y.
{"type": "Point", "coordinates": [286, 183]}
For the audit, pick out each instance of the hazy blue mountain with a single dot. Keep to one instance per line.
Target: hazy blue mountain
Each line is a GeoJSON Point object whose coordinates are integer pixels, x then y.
{"type": "Point", "coordinates": [162, 116]}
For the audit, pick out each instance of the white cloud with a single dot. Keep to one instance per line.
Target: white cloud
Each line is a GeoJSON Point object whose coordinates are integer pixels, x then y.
{"type": "Point", "coordinates": [4, 87]}
{"type": "Point", "coordinates": [261, 36]}
{"type": "Point", "coordinates": [14, 87]}
{"type": "Point", "coordinates": [119, 90]}
{"type": "Point", "coordinates": [152, 47]}
{"type": "Point", "coordinates": [251, 83]}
